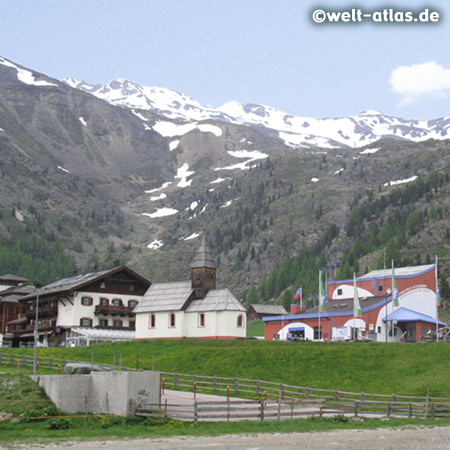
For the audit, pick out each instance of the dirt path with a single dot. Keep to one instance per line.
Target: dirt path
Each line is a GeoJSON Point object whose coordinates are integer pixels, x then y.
{"type": "Point", "coordinates": [399, 439]}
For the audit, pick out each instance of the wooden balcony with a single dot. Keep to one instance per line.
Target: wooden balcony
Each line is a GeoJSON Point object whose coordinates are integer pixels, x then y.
{"type": "Point", "coordinates": [44, 311]}
{"type": "Point", "coordinates": [115, 310]}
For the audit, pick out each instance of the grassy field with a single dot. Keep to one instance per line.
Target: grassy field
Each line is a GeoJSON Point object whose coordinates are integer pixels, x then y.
{"type": "Point", "coordinates": [255, 328]}
{"type": "Point", "coordinates": [357, 367]}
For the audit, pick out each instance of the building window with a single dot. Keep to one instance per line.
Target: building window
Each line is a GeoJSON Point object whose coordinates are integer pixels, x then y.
{"type": "Point", "coordinates": [240, 321]}
{"type": "Point", "coordinates": [380, 288]}
{"type": "Point", "coordinates": [131, 287]}
{"type": "Point", "coordinates": [339, 291]}
{"type": "Point", "coordinates": [103, 322]}
{"type": "Point", "coordinates": [379, 330]}
{"type": "Point", "coordinates": [104, 301]}
{"type": "Point", "coordinates": [102, 285]}
{"type": "Point", "coordinates": [132, 324]}
{"type": "Point", "coordinates": [86, 301]}
{"type": "Point", "coordinates": [317, 333]}
{"type": "Point", "coordinates": [117, 323]}
{"type": "Point", "coordinates": [201, 320]}
{"type": "Point", "coordinates": [132, 304]}
{"type": "Point", "coordinates": [152, 321]}
{"type": "Point", "coordinates": [172, 320]}
{"type": "Point", "coordinates": [116, 302]}
{"type": "Point", "coordinates": [85, 322]}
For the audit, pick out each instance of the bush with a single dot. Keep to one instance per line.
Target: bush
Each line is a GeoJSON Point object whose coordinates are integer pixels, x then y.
{"type": "Point", "coordinates": [59, 424]}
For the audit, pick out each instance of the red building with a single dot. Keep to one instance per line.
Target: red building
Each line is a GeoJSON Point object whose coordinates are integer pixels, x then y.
{"type": "Point", "coordinates": [380, 319]}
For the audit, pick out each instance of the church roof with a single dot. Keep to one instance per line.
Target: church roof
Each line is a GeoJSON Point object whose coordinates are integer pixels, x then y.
{"type": "Point", "coordinates": [165, 297]}
{"type": "Point", "coordinates": [203, 256]}
{"type": "Point", "coordinates": [216, 300]}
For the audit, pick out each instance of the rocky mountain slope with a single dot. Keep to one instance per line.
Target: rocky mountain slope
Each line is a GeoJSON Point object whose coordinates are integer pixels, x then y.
{"type": "Point", "coordinates": [136, 177]}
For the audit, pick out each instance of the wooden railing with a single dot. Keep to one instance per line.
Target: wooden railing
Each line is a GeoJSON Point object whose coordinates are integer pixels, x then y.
{"type": "Point", "coordinates": [291, 401]}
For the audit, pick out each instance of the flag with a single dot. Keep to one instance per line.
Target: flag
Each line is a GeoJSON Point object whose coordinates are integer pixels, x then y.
{"type": "Point", "coordinates": [323, 304]}
{"type": "Point", "coordinates": [298, 294]}
{"type": "Point", "coordinates": [438, 298]}
{"type": "Point", "coordinates": [394, 288]}
{"type": "Point", "coordinates": [357, 312]}
{"type": "Point", "coordinates": [438, 293]}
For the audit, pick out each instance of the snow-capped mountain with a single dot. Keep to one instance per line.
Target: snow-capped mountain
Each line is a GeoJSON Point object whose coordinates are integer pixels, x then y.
{"type": "Point", "coordinates": [352, 131]}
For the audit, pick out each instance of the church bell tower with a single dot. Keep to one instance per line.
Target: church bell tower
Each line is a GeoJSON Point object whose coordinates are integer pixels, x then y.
{"type": "Point", "coordinates": [203, 269]}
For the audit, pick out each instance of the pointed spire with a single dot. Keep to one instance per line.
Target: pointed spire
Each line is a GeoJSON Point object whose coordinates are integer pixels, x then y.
{"type": "Point", "coordinates": [203, 256]}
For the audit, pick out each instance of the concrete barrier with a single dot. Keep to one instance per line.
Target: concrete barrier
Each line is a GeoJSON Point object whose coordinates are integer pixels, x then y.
{"type": "Point", "coordinates": [101, 392]}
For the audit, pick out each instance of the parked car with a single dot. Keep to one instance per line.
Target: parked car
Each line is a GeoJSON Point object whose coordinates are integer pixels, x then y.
{"type": "Point", "coordinates": [443, 335]}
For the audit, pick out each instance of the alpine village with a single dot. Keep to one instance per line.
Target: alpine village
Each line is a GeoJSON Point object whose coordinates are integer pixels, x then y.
{"type": "Point", "coordinates": [124, 220]}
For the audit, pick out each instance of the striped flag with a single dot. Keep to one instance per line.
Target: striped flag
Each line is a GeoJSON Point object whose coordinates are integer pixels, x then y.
{"type": "Point", "coordinates": [298, 294]}
{"type": "Point", "coordinates": [357, 312]}
{"type": "Point", "coordinates": [323, 302]}
{"type": "Point", "coordinates": [394, 288]}
{"type": "Point", "coordinates": [438, 297]}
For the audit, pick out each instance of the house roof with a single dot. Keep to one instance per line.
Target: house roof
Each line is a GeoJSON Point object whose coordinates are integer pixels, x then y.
{"type": "Point", "coordinates": [9, 277]}
{"type": "Point", "coordinates": [165, 297]}
{"type": "Point", "coordinates": [216, 300]}
{"type": "Point", "coordinates": [203, 256]}
{"type": "Point", "coordinates": [338, 307]}
{"type": "Point", "coordinates": [269, 309]}
{"type": "Point", "coordinates": [402, 315]}
{"type": "Point", "coordinates": [78, 281]}
{"type": "Point", "coordinates": [399, 272]}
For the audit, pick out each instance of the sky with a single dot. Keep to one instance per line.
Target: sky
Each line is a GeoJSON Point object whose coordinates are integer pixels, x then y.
{"type": "Point", "coordinates": [268, 52]}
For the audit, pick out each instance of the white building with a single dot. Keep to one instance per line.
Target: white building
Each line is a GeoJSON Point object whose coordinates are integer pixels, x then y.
{"type": "Point", "coordinates": [102, 300]}
{"type": "Point", "coordinates": [192, 308]}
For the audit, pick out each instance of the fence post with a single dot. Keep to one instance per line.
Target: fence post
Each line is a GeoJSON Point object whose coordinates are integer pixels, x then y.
{"type": "Point", "coordinates": [363, 399]}
{"type": "Point", "coordinates": [50, 363]}
{"type": "Point", "coordinates": [388, 410]}
{"type": "Point", "coordinates": [336, 396]}
{"type": "Point", "coordinates": [86, 408]}
{"type": "Point", "coordinates": [356, 409]}
{"type": "Point", "coordinates": [258, 387]}
{"type": "Point", "coordinates": [165, 408]}
{"type": "Point", "coordinates": [175, 380]}
{"type": "Point", "coordinates": [262, 411]}
{"type": "Point", "coordinates": [236, 385]}
{"type": "Point", "coordinates": [409, 411]}
{"type": "Point", "coordinates": [215, 384]}
{"type": "Point", "coordinates": [280, 396]}
{"type": "Point", "coordinates": [281, 390]}
{"type": "Point", "coordinates": [432, 411]}
{"type": "Point", "coordinates": [307, 391]}
{"type": "Point", "coordinates": [292, 409]}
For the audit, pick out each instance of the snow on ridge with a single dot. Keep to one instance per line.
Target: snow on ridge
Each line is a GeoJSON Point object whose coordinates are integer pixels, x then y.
{"type": "Point", "coordinates": [138, 114]}
{"type": "Point", "coordinates": [314, 180]}
{"type": "Point", "coordinates": [161, 212]}
{"type": "Point", "coordinates": [253, 155]}
{"type": "Point", "coordinates": [83, 122]}
{"type": "Point", "coordinates": [406, 180]}
{"type": "Point", "coordinates": [170, 129]}
{"type": "Point", "coordinates": [155, 244]}
{"type": "Point", "coordinates": [25, 76]}
{"type": "Point", "coordinates": [219, 180]}
{"type": "Point", "coordinates": [370, 150]}
{"type": "Point", "coordinates": [62, 168]}
{"type": "Point", "coordinates": [339, 171]}
{"type": "Point", "coordinates": [183, 173]}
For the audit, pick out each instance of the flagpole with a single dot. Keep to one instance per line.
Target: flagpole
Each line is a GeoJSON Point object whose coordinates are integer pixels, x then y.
{"type": "Point", "coordinates": [437, 299]}
{"type": "Point", "coordinates": [320, 305]}
{"type": "Point", "coordinates": [354, 305]}
{"type": "Point", "coordinates": [392, 302]}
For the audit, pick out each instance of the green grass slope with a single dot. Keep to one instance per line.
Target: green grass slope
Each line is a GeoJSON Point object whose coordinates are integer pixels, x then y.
{"type": "Point", "coordinates": [357, 367]}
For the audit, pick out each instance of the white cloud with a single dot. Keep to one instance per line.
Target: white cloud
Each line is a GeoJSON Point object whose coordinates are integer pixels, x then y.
{"type": "Point", "coordinates": [417, 81]}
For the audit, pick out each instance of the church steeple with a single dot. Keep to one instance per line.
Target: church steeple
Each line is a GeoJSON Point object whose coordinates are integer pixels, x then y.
{"type": "Point", "coordinates": [203, 268]}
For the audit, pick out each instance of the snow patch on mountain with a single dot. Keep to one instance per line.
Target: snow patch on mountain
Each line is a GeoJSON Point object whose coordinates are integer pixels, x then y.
{"type": "Point", "coordinates": [25, 76]}
{"type": "Point", "coordinates": [250, 156]}
{"type": "Point", "coordinates": [173, 145]}
{"type": "Point", "coordinates": [161, 212]}
{"type": "Point", "coordinates": [369, 151]}
{"type": "Point", "coordinates": [170, 129]}
{"type": "Point", "coordinates": [164, 185]}
{"type": "Point", "coordinates": [406, 180]}
{"type": "Point", "coordinates": [183, 173]}
{"type": "Point", "coordinates": [83, 122]}
{"type": "Point", "coordinates": [155, 244]}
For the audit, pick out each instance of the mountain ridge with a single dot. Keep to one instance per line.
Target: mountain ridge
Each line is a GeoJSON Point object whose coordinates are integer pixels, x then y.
{"type": "Point", "coordinates": [298, 132]}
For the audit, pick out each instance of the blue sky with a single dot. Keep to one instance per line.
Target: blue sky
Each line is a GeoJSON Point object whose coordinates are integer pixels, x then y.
{"type": "Point", "coordinates": [251, 51]}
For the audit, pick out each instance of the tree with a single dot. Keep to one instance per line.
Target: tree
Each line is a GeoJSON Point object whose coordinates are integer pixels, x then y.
{"type": "Point", "coordinates": [287, 300]}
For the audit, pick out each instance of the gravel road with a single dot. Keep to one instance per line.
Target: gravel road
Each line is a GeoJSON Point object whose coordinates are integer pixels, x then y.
{"type": "Point", "coordinates": [437, 438]}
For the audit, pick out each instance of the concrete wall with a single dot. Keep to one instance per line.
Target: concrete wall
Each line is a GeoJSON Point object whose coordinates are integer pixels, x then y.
{"type": "Point", "coordinates": [106, 392]}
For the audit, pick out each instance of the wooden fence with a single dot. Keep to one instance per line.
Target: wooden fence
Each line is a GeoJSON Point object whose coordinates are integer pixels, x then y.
{"type": "Point", "coordinates": [263, 399]}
